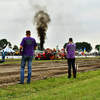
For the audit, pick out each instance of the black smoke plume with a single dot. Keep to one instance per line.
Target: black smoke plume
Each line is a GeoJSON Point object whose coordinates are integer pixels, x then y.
{"type": "Point", "coordinates": [41, 20]}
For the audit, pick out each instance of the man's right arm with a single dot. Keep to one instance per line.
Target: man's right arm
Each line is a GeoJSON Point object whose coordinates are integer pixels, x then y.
{"type": "Point", "coordinates": [20, 49]}
{"type": "Point", "coordinates": [34, 48]}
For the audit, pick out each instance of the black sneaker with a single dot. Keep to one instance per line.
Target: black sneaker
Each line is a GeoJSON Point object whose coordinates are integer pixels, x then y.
{"type": "Point", "coordinates": [21, 83]}
{"type": "Point", "coordinates": [28, 82]}
{"type": "Point", "coordinates": [69, 76]}
{"type": "Point", "coordinates": [74, 77]}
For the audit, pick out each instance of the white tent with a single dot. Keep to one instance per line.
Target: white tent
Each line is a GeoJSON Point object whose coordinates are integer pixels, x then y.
{"type": "Point", "coordinates": [7, 49]}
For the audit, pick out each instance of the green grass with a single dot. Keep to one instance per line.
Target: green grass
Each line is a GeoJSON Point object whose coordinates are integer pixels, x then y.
{"type": "Point", "coordinates": [85, 87]}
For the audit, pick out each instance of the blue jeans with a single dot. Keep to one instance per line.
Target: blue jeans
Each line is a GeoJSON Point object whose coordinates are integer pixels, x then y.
{"type": "Point", "coordinates": [29, 65]}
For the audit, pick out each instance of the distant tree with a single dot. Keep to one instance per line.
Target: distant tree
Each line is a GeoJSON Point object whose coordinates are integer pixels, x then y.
{"type": "Point", "coordinates": [65, 45]}
{"type": "Point", "coordinates": [1, 44]}
{"type": "Point", "coordinates": [4, 43]}
{"type": "Point", "coordinates": [82, 45]}
{"type": "Point", "coordinates": [97, 47]}
{"type": "Point", "coordinates": [15, 47]}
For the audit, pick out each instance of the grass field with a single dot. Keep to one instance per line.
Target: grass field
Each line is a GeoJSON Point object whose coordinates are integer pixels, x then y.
{"type": "Point", "coordinates": [85, 87]}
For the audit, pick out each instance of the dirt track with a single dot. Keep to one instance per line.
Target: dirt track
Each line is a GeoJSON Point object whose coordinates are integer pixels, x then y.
{"type": "Point", "coordinates": [10, 73]}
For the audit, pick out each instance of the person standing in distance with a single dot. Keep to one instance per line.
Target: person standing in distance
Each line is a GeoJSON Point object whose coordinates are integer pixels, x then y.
{"type": "Point", "coordinates": [70, 48]}
{"type": "Point", "coordinates": [3, 56]}
{"type": "Point", "coordinates": [27, 47]}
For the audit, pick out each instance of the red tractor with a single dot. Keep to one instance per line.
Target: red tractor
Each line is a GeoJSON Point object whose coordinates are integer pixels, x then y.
{"type": "Point", "coordinates": [45, 55]}
{"type": "Point", "coordinates": [49, 54]}
{"type": "Point", "coordinates": [39, 56]}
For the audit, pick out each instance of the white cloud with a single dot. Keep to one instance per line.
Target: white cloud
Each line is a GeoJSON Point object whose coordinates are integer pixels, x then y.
{"type": "Point", "coordinates": [78, 19]}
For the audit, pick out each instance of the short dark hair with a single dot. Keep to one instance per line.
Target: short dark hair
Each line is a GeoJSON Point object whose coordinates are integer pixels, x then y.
{"type": "Point", "coordinates": [70, 39]}
{"type": "Point", "coordinates": [28, 32]}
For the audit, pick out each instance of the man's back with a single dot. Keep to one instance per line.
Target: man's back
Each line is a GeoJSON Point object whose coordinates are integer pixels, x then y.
{"type": "Point", "coordinates": [71, 50]}
{"type": "Point", "coordinates": [28, 44]}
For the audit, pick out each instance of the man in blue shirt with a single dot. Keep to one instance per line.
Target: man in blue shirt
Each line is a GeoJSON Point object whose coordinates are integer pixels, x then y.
{"type": "Point", "coordinates": [3, 56]}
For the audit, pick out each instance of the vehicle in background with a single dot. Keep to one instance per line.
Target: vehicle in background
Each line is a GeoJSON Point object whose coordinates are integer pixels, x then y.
{"type": "Point", "coordinates": [50, 54]}
{"type": "Point", "coordinates": [44, 55]}
{"type": "Point", "coordinates": [63, 54]}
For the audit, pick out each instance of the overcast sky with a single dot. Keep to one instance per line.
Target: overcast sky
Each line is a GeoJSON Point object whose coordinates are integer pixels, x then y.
{"type": "Point", "coordinates": [79, 19]}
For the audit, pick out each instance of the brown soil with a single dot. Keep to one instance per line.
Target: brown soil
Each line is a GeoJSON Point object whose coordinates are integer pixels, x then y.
{"type": "Point", "coordinates": [10, 73]}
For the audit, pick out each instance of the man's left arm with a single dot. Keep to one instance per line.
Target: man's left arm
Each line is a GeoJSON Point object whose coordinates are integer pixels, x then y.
{"type": "Point", "coordinates": [66, 48]}
{"type": "Point", "coordinates": [35, 44]}
{"type": "Point", "coordinates": [75, 47]}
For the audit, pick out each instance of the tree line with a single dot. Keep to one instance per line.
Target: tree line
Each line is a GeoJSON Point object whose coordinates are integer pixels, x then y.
{"type": "Point", "coordinates": [79, 45]}
{"type": "Point", "coordinates": [4, 43]}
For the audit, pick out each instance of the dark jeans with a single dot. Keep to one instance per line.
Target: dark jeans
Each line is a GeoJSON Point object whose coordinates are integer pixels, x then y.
{"type": "Point", "coordinates": [29, 65]}
{"type": "Point", "coordinates": [3, 58]}
{"type": "Point", "coordinates": [71, 62]}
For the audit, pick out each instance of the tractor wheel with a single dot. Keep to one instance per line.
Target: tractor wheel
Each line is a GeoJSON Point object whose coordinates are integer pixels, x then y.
{"type": "Point", "coordinates": [41, 58]}
{"type": "Point", "coordinates": [65, 57]}
{"type": "Point", "coordinates": [48, 56]}
{"type": "Point", "coordinates": [62, 58]}
{"type": "Point", "coordinates": [36, 58]}
{"type": "Point", "coordinates": [44, 58]}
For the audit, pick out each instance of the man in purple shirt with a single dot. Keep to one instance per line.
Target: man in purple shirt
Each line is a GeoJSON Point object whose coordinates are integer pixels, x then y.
{"type": "Point", "coordinates": [27, 47]}
{"type": "Point", "coordinates": [70, 48]}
